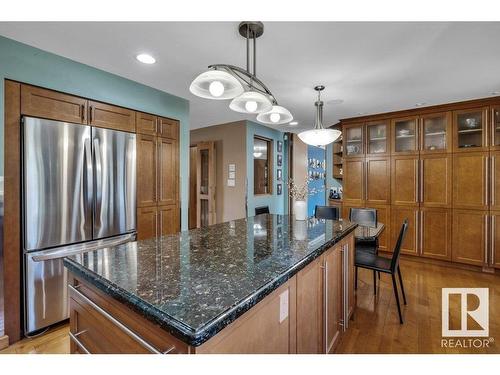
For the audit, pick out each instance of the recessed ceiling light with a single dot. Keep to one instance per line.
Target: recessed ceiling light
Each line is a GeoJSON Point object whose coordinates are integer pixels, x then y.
{"type": "Point", "coordinates": [361, 113]}
{"type": "Point", "coordinates": [145, 58]}
{"type": "Point", "coordinates": [293, 123]}
{"type": "Point", "coordinates": [495, 93]}
{"type": "Point", "coordinates": [420, 104]}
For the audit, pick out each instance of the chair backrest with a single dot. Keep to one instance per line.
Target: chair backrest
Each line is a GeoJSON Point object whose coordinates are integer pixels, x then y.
{"type": "Point", "coordinates": [326, 212]}
{"type": "Point", "coordinates": [399, 243]}
{"type": "Point", "coordinates": [261, 210]}
{"type": "Point", "coordinates": [364, 216]}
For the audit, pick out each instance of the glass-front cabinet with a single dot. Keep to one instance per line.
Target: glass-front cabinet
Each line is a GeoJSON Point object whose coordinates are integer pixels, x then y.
{"type": "Point", "coordinates": [377, 142]}
{"type": "Point", "coordinates": [405, 136]}
{"type": "Point", "coordinates": [435, 133]}
{"type": "Point", "coordinates": [469, 130]}
{"type": "Point", "coordinates": [495, 128]}
{"type": "Point", "coordinates": [354, 140]}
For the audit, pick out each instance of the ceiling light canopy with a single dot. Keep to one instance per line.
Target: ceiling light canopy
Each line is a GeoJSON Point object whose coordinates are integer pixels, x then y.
{"type": "Point", "coordinates": [249, 94]}
{"type": "Point", "coordinates": [145, 58]}
{"type": "Point", "coordinates": [319, 136]}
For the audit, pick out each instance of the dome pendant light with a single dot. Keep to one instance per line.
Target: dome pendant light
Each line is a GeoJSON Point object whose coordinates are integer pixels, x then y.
{"type": "Point", "coordinates": [319, 136]}
{"type": "Point", "coordinates": [249, 95]}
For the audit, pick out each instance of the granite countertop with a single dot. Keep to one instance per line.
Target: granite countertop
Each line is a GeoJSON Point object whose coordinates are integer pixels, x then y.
{"type": "Point", "coordinates": [194, 283]}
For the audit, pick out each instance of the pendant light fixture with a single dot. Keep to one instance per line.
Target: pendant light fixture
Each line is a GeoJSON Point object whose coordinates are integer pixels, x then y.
{"type": "Point", "coordinates": [319, 136]}
{"type": "Point", "coordinates": [249, 94]}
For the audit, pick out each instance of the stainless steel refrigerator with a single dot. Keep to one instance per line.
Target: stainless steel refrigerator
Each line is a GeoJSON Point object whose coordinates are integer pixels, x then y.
{"type": "Point", "coordinates": [79, 194]}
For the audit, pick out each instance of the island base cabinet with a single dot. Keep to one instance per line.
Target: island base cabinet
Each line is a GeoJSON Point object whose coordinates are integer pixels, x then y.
{"type": "Point", "coordinates": [470, 243]}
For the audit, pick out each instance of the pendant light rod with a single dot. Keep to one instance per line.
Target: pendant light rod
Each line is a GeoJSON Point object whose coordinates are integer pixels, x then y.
{"type": "Point", "coordinates": [254, 57]}
{"type": "Point", "coordinates": [319, 108]}
{"type": "Point", "coordinates": [248, 48]}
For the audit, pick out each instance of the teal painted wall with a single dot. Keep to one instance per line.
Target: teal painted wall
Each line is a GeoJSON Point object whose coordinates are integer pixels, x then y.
{"type": "Point", "coordinates": [27, 64]}
{"type": "Point", "coordinates": [277, 203]}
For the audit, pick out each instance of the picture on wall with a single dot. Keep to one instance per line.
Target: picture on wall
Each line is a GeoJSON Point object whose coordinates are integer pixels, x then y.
{"type": "Point", "coordinates": [280, 160]}
{"type": "Point", "coordinates": [280, 147]}
{"type": "Point", "coordinates": [279, 189]}
{"type": "Point", "coordinates": [279, 174]}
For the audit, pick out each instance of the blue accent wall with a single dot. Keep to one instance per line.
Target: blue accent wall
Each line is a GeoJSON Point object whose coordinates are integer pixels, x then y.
{"type": "Point", "coordinates": [317, 198]}
{"type": "Point", "coordinates": [277, 203]}
{"type": "Point", "coordinates": [20, 62]}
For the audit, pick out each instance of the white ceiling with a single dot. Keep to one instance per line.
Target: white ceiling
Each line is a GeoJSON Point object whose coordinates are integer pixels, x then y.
{"type": "Point", "coordinates": [372, 67]}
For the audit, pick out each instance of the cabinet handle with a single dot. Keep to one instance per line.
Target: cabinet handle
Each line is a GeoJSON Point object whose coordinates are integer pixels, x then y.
{"type": "Point", "coordinates": [91, 114]}
{"type": "Point", "coordinates": [421, 180]}
{"type": "Point", "coordinates": [487, 183]}
{"type": "Point", "coordinates": [485, 239]}
{"type": "Point", "coordinates": [125, 329]}
{"type": "Point", "coordinates": [492, 239]}
{"type": "Point", "coordinates": [83, 112]}
{"type": "Point", "coordinates": [325, 297]}
{"type": "Point", "coordinates": [366, 181]}
{"type": "Point", "coordinates": [74, 338]}
{"type": "Point", "coordinates": [346, 287]}
{"type": "Point", "coordinates": [492, 180]}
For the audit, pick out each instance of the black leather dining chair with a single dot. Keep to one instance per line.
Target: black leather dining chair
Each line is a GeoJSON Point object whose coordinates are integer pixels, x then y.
{"type": "Point", "coordinates": [326, 212]}
{"type": "Point", "coordinates": [261, 210]}
{"type": "Point", "coordinates": [386, 265]}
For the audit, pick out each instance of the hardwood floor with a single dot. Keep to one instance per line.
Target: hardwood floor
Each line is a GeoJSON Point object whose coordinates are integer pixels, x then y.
{"type": "Point", "coordinates": [375, 328]}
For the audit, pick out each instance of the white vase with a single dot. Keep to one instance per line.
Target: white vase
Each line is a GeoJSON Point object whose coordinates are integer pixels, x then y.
{"type": "Point", "coordinates": [300, 210]}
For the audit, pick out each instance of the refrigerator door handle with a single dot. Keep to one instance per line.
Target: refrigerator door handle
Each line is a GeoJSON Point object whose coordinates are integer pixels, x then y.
{"type": "Point", "coordinates": [98, 182]}
{"type": "Point", "coordinates": [88, 186]}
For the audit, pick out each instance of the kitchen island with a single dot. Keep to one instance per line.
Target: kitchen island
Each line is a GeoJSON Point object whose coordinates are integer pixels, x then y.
{"type": "Point", "coordinates": [264, 284]}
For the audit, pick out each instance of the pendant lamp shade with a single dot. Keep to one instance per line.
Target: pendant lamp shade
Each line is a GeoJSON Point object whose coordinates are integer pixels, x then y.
{"type": "Point", "coordinates": [276, 116]}
{"type": "Point", "coordinates": [251, 102]}
{"type": "Point", "coordinates": [216, 84]}
{"type": "Point", "coordinates": [319, 137]}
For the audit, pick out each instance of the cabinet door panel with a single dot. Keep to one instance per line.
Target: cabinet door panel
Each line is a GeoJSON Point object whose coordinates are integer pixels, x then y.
{"type": "Point", "coordinates": [354, 140]}
{"type": "Point", "coordinates": [145, 123]}
{"type": "Point", "coordinates": [354, 181]}
{"type": "Point", "coordinates": [167, 171]}
{"type": "Point", "coordinates": [310, 308]}
{"type": "Point", "coordinates": [169, 219]}
{"type": "Point", "coordinates": [378, 181]}
{"type": "Point", "coordinates": [469, 237]}
{"type": "Point", "coordinates": [495, 239]}
{"type": "Point", "coordinates": [146, 170]}
{"type": "Point", "coordinates": [378, 138]}
{"type": "Point", "coordinates": [404, 180]}
{"type": "Point", "coordinates": [168, 128]}
{"type": "Point", "coordinates": [405, 135]}
{"type": "Point", "coordinates": [333, 300]}
{"type": "Point", "coordinates": [470, 132]}
{"type": "Point", "coordinates": [147, 222]}
{"type": "Point", "coordinates": [53, 105]}
{"type": "Point", "coordinates": [470, 171]}
{"type": "Point", "coordinates": [398, 215]}
{"type": "Point", "coordinates": [435, 231]}
{"type": "Point", "coordinates": [436, 180]}
{"type": "Point", "coordinates": [435, 130]}
{"type": "Point", "coordinates": [111, 117]}
{"type": "Point", "coordinates": [495, 128]}
{"type": "Point", "coordinates": [495, 180]}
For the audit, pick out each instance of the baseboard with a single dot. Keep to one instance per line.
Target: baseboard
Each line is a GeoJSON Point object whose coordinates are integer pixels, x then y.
{"type": "Point", "coordinates": [4, 342]}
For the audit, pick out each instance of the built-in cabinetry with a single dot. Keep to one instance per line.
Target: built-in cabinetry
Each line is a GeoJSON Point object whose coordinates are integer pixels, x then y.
{"type": "Point", "coordinates": [443, 165]}
{"type": "Point", "coordinates": [157, 175]}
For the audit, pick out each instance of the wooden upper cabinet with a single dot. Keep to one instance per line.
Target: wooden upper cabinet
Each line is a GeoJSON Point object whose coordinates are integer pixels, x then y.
{"type": "Point", "coordinates": [470, 130]}
{"type": "Point", "coordinates": [398, 215]}
{"type": "Point", "coordinates": [495, 239]}
{"type": "Point", "coordinates": [145, 123]}
{"type": "Point", "coordinates": [354, 181]}
{"type": "Point", "coordinates": [354, 136]}
{"type": "Point", "coordinates": [168, 172]}
{"type": "Point", "coordinates": [404, 180]}
{"type": "Point", "coordinates": [310, 308]}
{"type": "Point", "coordinates": [405, 136]}
{"type": "Point", "coordinates": [436, 133]}
{"type": "Point", "coordinates": [470, 180]}
{"type": "Point", "coordinates": [435, 233]}
{"type": "Point", "coordinates": [436, 180]}
{"type": "Point", "coordinates": [146, 170]}
{"type": "Point", "coordinates": [495, 128]}
{"type": "Point", "coordinates": [168, 128]}
{"type": "Point", "coordinates": [378, 180]}
{"type": "Point", "coordinates": [52, 105]}
{"type": "Point", "coordinates": [470, 237]}
{"type": "Point", "coordinates": [111, 117]}
{"type": "Point", "coordinates": [378, 138]}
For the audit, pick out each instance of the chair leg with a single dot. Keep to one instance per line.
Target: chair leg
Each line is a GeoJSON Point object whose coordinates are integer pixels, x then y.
{"type": "Point", "coordinates": [401, 283]}
{"type": "Point", "coordinates": [375, 282]}
{"type": "Point", "coordinates": [378, 275]}
{"type": "Point", "coordinates": [356, 278]}
{"type": "Point", "coordinates": [396, 294]}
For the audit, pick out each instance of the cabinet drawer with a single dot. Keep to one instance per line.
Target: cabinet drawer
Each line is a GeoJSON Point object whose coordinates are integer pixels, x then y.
{"type": "Point", "coordinates": [100, 325]}
{"type": "Point", "coordinates": [111, 117]}
{"type": "Point", "coordinates": [52, 105]}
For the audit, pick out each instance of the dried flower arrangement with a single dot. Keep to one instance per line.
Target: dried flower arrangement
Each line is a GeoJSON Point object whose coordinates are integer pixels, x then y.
{"type": "Point", "coordinates": [300, 192]}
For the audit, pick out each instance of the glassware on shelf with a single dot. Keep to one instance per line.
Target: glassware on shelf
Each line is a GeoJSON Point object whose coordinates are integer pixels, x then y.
{"type": "Point", "coordinates": [354, 141]}
{"type": "Point", "coordinates": [470, 129]}
{"type": "Point", "coordinates": [377, 138]}
{"type": "Point", "coordinates": [496, 125]}
{"type": "Point", "coordinates": [405, 135]}
{"type": "Point", "coordinates": [434, 129]}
